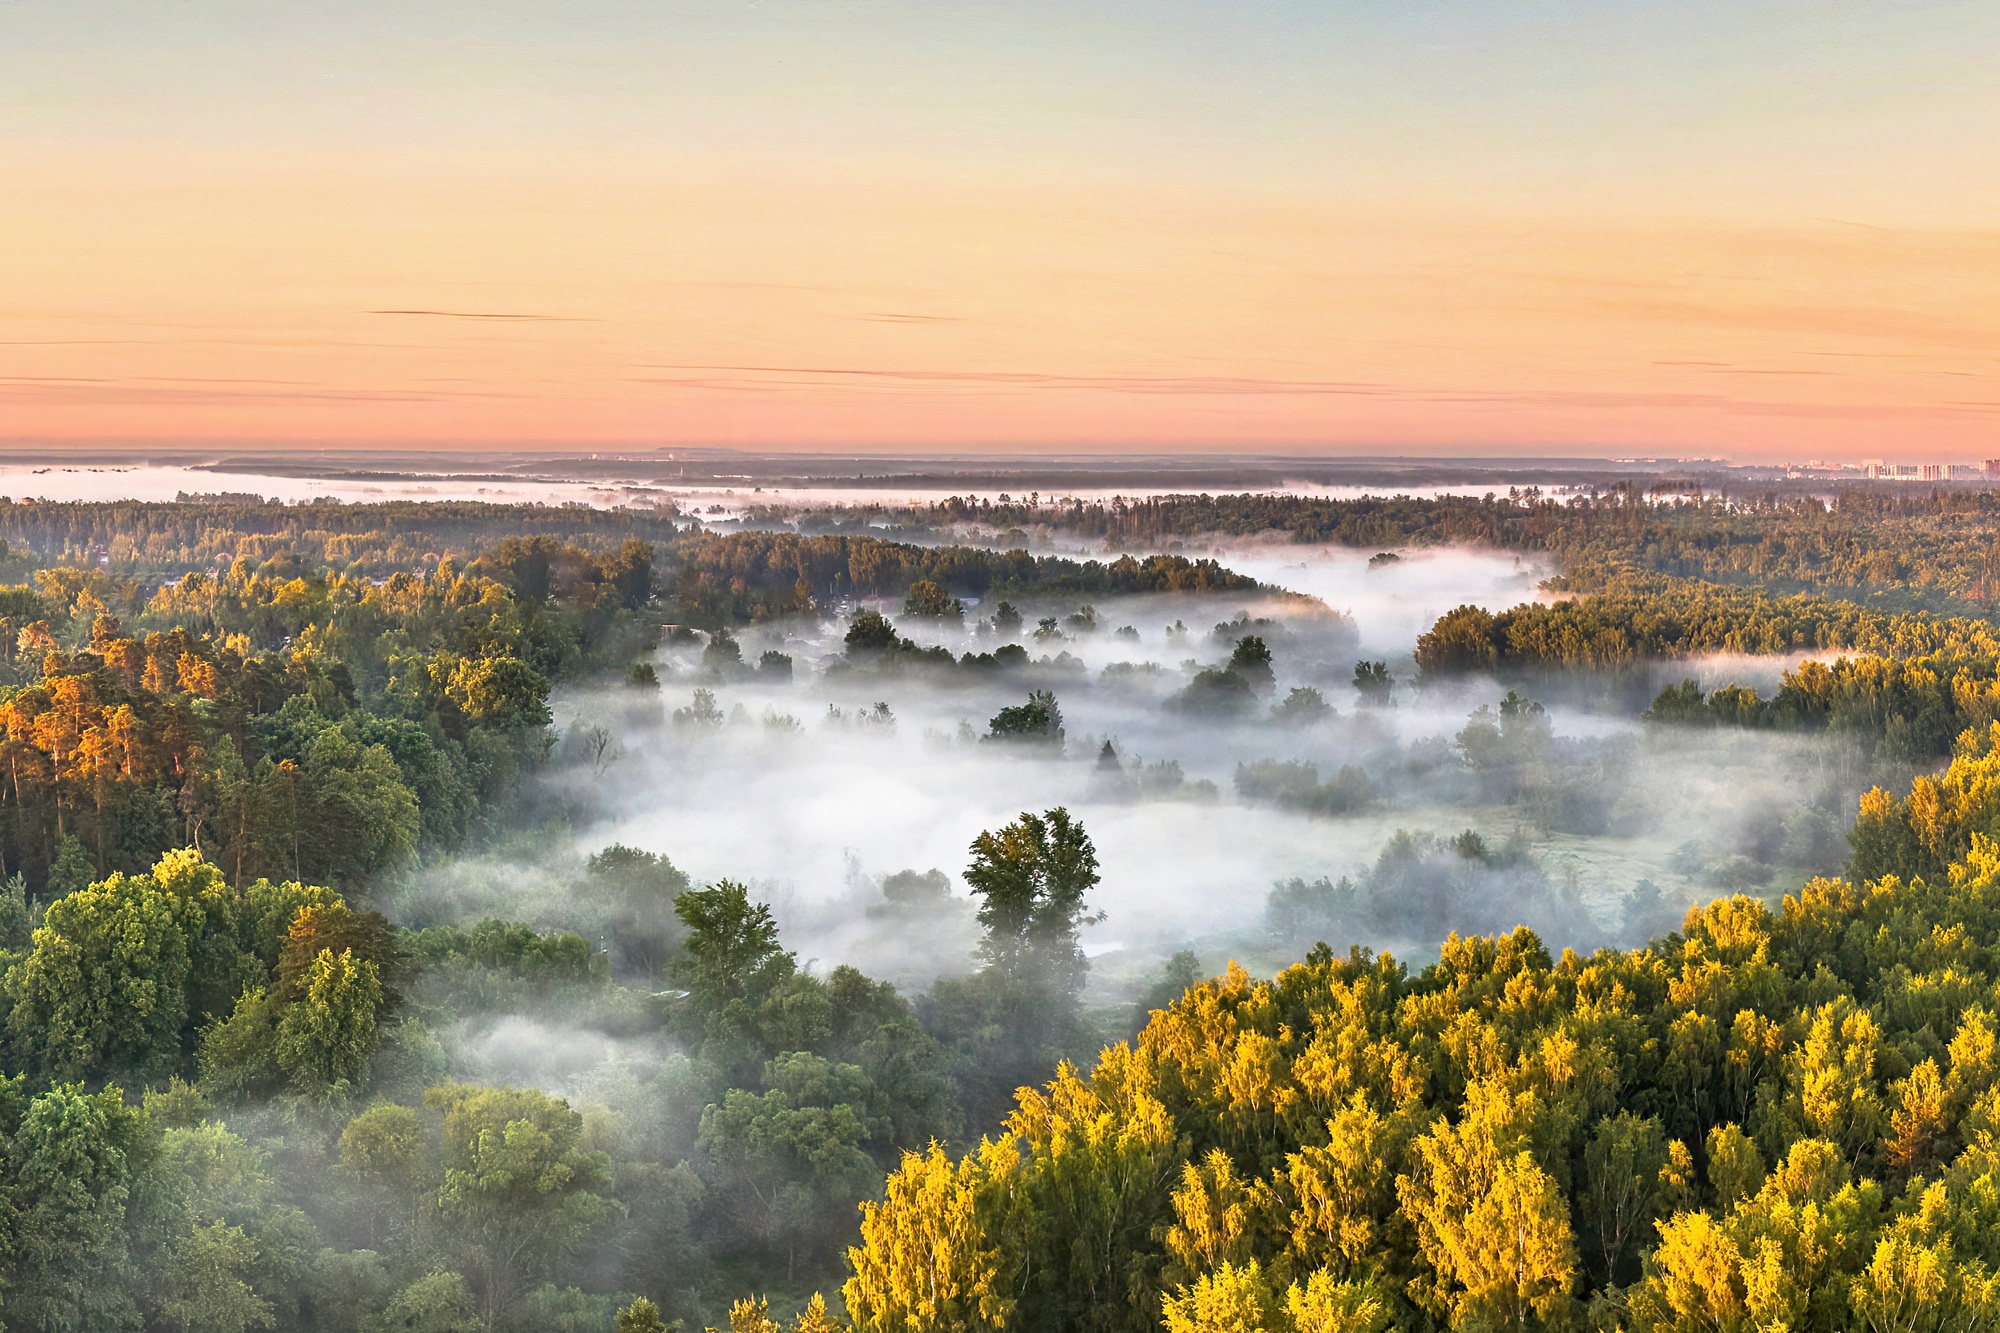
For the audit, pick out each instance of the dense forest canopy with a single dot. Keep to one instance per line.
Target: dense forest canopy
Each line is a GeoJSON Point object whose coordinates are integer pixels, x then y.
{"type": "Point", "coordinates": [1647, 621]}
{"type": "Point", "coordinates": [154, 537]}
{"type": "Point", "coordinates": [1766, 1119]}
{"type": "Point", "coordinates": [229, 1098]}
{"type": "Point", "coordinates": [1929, 550]}
{"type": "Point", "coordinates": [242, 1087]}
{"type": "Point", "coordinates": [1910, 679]}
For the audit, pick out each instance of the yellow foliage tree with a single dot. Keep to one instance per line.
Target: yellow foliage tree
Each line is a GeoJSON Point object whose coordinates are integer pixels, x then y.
{"type": "Point", "coordinates": [923, 1263]}
{"type": "Point", "coordinates": [1214, 1210]}
{"type": "Point", "coordinates": [1232, 1299]}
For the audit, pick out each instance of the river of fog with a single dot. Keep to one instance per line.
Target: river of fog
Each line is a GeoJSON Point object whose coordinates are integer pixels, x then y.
{"type": "Point", "coordinates": [814, 790]}
{"type": "Point", "coordinates": [719, 503]}
{"type": "Point", "coordinates": [55, 482]}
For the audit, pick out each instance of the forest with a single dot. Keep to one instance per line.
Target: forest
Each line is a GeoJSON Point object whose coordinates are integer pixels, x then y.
{"type": "Point", "coordinates": [1767, 1118]}
{"type": "Point", "coordinates": [1901, 550]}
{"type": "Point", "coordinates": [230, 1099]}
{"type": "Point", "coordinates": [274, 1055]}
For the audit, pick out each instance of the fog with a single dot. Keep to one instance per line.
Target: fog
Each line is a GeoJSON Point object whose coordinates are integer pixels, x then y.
{"type": "Point", "coordinates": [1392, 602]}
{"type": "Point", "coordinates": [716, 502]}
{"type": "Point", "coordinates": [814, 790]}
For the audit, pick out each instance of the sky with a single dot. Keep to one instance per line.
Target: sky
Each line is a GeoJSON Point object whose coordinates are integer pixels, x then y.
{"type": "Point", "coordinates": [1767, 231]}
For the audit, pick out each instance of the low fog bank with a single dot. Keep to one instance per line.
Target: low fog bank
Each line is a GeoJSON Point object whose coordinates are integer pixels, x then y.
{"type": "Point", "coordinates": [843, 788]}
{"type": "Point", "coordinates": [1246, 832]}
{"type": "Point", "coordinates": [1194, 829]}
{"type": "Point", "coordinates": [1395, 600]}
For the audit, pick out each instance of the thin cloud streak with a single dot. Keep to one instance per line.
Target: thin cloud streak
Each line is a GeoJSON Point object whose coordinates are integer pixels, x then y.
{"type": "Point", "coordinates": [482, 314]}
{"type": "Point", "coordinates": [822, 379]}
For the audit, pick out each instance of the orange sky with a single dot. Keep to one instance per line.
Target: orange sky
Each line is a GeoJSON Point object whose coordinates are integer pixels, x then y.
{"type": "Point", "coordinates": [1772, 233]}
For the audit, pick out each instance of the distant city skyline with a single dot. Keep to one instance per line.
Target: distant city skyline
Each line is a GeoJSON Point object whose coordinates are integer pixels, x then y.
{"type": "Point", "coordinates": [1764, 231]}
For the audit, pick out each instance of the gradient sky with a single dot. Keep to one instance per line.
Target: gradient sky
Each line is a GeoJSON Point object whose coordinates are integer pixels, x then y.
{"type": "Point", "coordinates": [1762, 230]}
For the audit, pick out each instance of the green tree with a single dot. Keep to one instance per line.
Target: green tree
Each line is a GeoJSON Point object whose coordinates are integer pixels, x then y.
{"type": "Point", "coordinates": [1037, 722]}
{"type": "Point", "coordinates": [930, 601]}
{"type": "Point", "coordinates": [324, 1037]}
{"type": "Point", "coordinates": [349, 1289]}
{"type": "Point", "coordinates": [1303, 706]}
{"type": "Point", "coordinates": [1525, 730]}
{"type": "Point", "coordinates": [1374, 683]}
{"type": "Point", "coordinates": [1251, 660]}
{"type": "Point", "coordinates": [1735, 1167]}
{"type": "Point", "coordinates": [731, 962]}
{"type": "Point", "coordinates": [383, 1150]}
{"type": "Point", "coordinates": [1093, 1180]}
{"type": "Point", "coordinates": [641, 1316]}
{"type": "Point", "coordinates": [636, 891]}
{"type": "Point", "coordinates": [1626, 1181]}
{"type": "Point", "coordinates": [72, 868]}
{"type": "Point", "coordinates": [519, 1188]}
{"type": "Point", "coordinates": [205, 1291]}
{"type": "Point", "coordinates": [1460, 643]}
{"type": "Point", "coordinates": [363, 816]}
{"type": "Point", "coordinates": [501, 692]}
{"type": "Point", "coordinates": [1479, 741]}
{"type": "Point", "coordinates": [178, 1105]}
{"type": "Point", "coordinates": [17, 915]}
{"type": "Point", "coordinates": [68, 1180]}
{"type": "Point", "coordinates": [319, 928]}
{"type": "Point", "coordinates": [105, 987]}
{"type": "Point", "coordinates": [723, 655]}
{"type": "Point", "coordinates": [1032, 878]}
{"type": "Point", "coordinates": [869, 634]}
{"type": "Point", "coordinates": [1215, 693]}
{"type": "Point", "coordinates": [438, 1302]}
{"type": "Point", "coordinates": [794, 1162]}
{"type": "Point", "coordinates": [238, 1055]}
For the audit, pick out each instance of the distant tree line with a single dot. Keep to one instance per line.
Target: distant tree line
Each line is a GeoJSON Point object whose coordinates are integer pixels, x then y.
{"type": "Point", "coordinates": [1917, 708]}
{"type": "Point", "coordinates": [1933, 549]}
{"type": "Point", "coordinates": [748, 576]}
{"type": "Point", "coordinates": [1681, 618]}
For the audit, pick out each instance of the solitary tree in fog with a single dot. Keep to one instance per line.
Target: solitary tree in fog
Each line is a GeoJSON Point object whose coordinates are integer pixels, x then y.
{"type": "Point", "coordinates": [732, 959]}
{"type": "Point", "coordinates": [932, 602]}
{"type": "Point", "coordinates": [870, 634]}
{"type": "Point", "coordinates": [1038, 721]}
{"type": "Point", "coordinates": [1251, 660]}
{"type": "Point", "coordinates": [1032, 877]}
{"type": "Point", "coordinates": [1375, 684]}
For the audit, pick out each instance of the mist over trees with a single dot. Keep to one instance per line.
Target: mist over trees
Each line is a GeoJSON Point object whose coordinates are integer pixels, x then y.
{"type": "Point", "coordinates": [1901, 549]}
{"type": "Point", "coordinates": [281, 1010]}
{"type": "Point", "coordinates": [334, 996]}
{"type": "Point", "coordinates": [1752, 1118]}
